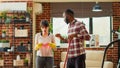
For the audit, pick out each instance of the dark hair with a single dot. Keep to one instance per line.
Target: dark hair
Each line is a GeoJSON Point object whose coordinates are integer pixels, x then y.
{"type": "Point", "coordinates": [44, 23]}
{"type": "Point", "coordinates": [69, 12]}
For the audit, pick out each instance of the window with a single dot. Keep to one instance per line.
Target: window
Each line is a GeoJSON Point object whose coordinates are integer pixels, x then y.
{"type": "Point", "coordinates": [94, 25]}
{"type": "Point", "coordinates": [59, 26]}
{"type": "Point", "coordinates": [86, 22]}
{"type": "Point", "coordinates": [102, 27]}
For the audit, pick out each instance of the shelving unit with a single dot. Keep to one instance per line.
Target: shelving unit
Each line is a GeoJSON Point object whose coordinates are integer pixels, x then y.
{"type": "Point", "coordinates": [9, 56]}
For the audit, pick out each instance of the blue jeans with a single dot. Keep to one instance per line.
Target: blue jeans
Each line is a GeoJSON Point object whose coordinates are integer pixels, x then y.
{"type": "Point", "coordinates": [44, 62]}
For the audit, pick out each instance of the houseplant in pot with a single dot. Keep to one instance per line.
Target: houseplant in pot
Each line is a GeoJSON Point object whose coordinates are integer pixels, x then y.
{"type": "Point", "coordinates": [0, 19]}
{"type": "Point", "coordinates": [22, 18]}
{"type": "Point", "coordinates": [26, 61]}
{"type": "Point", "coordinates": [4, 15]}
{"type": "Point", "coordinates": [1, 61]}
{"type": "Point", "coordinates": [3, 33]}
{"type": "Point", "coordinates": [7, 21]}
{"type": "Point", "coordinates": [15, 18]}
{"type": "Point", "coordinates": [4, 43]}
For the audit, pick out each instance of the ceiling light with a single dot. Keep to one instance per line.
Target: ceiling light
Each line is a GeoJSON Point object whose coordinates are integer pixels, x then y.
{"type": "Point", "coordinates": [96, 8]}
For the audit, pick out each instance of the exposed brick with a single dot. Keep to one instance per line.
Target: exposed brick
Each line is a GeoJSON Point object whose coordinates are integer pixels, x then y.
{"type": "Point", "coordinates": [111, 53]}
{"type": "Point", "coordinates": [8, 58]}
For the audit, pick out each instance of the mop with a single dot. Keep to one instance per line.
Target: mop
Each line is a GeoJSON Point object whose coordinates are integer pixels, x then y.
{"type": "Point", "coordinates": [66, 55]}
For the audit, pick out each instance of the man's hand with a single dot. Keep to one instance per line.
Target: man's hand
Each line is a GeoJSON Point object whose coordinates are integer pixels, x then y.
{"type": "Point", "coordinates": [70, 37]}
{"type": "Point", "coordinates": [58, 35]}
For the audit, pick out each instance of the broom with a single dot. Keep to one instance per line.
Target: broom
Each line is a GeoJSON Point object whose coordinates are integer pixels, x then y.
{"type": "Point", "coordinates": [66, 55]}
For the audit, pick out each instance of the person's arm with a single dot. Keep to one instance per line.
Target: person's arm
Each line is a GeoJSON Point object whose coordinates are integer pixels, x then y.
{"type": "Point", "coordinates": [53, 41]}
{"type": "Point", "coordinates": [82, 33]}
{"type": "Point", "coordinates": [61, 38]}
{"type": "Point", "coordinates": [36, 41]}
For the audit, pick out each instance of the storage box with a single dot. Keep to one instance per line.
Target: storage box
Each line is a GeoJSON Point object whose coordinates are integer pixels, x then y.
{"type": "Point", "coordinates": [3, 45]}
{"type": "Point", "coordinates": [18, 63]}
{"type": "Point", "coordinates": [1, 49]}
{"type": "Point", "coordinates": [1, 62]}
{"type": "Point", "coordinates": [21, 33]}
{"type": "Point", "coordinates": [21, 48]}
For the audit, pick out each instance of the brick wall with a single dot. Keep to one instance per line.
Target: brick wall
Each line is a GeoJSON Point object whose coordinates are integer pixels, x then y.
{"type": "Point", "coordinates": [116, 24]}
{"type": "Point", "coordinates": [44, 15]}
{"type": "Point", "coordinates": [112, 52]}
{"type": "Point", "coordinates": [8, 57]}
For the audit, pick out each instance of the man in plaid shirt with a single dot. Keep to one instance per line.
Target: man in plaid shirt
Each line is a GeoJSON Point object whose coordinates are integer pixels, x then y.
{"type": "Point", "coordinates": [77, 34]}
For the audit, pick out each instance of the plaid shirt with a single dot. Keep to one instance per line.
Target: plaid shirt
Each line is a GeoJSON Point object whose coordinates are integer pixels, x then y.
{"type": "Point", "coordinates": [76, 46]}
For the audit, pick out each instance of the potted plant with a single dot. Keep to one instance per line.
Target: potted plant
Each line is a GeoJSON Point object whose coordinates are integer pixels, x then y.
{"type": "Point", "coordinates": [0, 18]}
{"type": "Point", "coordinates": [15, 18]}
{"type": "Point", "coordinates": [21, 43]}
{"type": "Point", "coordinates": [4, 43]}
{"type": "Point", "coordinates": [26, 61]}
{"type": "Point", "coordinates": [4, 16]}
{"type": "Point", "coordinates": [21, 47]}
{"type": "Point", "coordinates": [3, 33]}
{"type": "Point", "coordinates": [1, 61]}
{"type": "Point", "coordinates": [27, 15]}
{"type": "Point", "coordinates": [29, 46]}
{"type": "Point", "coordinates": [29, 10]}
{"type": "Point", "coordinates": [22, 18]}
{"type": "Point", "coordinates": [7, 21]}
{"type": "Point", "coordinates": [1, 58]}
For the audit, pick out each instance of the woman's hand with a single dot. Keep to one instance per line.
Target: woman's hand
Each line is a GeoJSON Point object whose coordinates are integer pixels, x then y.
{"type": "Point", "coordinates": [38, 46]}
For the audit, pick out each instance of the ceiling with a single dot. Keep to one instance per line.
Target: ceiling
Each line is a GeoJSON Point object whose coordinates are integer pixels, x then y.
{"type": "Point", "coordinates": [67, 0]}
{"type": "Point", "coordinates": [76, 0]}
{"type": "Point", "coordinates": [81, 9]}
{"type": "Point", "coordinates": [16, 0]}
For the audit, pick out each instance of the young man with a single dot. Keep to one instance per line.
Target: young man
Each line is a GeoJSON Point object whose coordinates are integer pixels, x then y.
{"type": "Point", "coordinates": [77, 34]}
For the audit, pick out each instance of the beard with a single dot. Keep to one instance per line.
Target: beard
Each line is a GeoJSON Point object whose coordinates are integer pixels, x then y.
{"type": "Point", "coordinates": [66, 20]}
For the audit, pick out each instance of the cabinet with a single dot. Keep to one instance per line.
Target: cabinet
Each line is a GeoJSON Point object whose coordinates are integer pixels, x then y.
{"type": "Point", "coordinates": [16, 40]}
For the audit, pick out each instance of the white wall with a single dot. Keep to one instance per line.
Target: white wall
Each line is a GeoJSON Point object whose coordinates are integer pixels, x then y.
{"type": "Point", "coordinates": [12, 6]}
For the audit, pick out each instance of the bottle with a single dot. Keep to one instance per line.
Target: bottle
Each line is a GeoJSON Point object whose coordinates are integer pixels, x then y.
{"type": "Point", "coordinates": [12, 48]}
{"type": "Point", "coordinates": [3, 34]}
{"type": "Point", "coordinates": [27, 17]}
{"type": "Point", "coordinates": [18, 57]}
{"type": "Point", "coordinates": [92, 41]}
{"type": "Point", "coordinates": [29, 46]}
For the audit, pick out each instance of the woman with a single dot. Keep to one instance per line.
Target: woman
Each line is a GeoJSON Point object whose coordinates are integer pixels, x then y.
{"type": "Point", "coordinates": [44, 57]}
